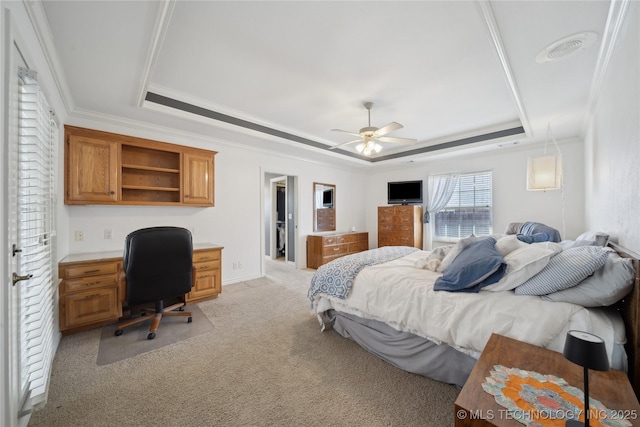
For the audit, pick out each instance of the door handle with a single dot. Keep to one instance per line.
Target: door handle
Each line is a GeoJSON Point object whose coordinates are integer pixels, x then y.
{"type": "Point", "coordinates": [17, 278]}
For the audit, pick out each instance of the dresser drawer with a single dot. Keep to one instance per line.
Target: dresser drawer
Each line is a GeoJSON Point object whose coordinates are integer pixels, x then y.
{"type": "Point", "coordinates": [358, 247]}
{"type": "Point", "coordinates": [89, 282]}
{"type": "Point", "coordinates": [335, 250]}
{"type": "Point", "coordinates": [93, 269]}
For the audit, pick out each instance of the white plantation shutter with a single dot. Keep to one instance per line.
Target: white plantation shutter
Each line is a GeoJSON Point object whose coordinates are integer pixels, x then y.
{"type": "Point", "coordinates": [469, 209]}
{"type": "Point", "coordinates": [36, 233]}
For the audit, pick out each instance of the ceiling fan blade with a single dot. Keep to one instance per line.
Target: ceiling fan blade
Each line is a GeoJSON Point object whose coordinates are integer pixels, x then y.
{"type": "Point", "coordinates": [387, 128]}
{"type": "Point", "coordinates": [346, 143]}
{"type": "Point", "coordinates": [345, 131]}
{"type": "Point", "coordinates": [397, 140]}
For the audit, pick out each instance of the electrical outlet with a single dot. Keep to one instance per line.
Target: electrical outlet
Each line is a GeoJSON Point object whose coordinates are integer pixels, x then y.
{"type": "Point", "coordinates": [79, 236]}
{"type": "Point", "coordinates": [235, 265]}
{"type": "Point", "coordinates": [108, 235]}
{"type": "Point", "coordinates": [239, 265]}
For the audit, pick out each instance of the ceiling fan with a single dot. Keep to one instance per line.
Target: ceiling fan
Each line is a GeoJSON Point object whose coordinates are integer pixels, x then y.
{"type": "Point", "coordinates": [369, 136]}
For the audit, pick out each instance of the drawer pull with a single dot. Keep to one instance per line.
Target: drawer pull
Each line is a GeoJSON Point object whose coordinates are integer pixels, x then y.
{"type": "Point", "coordinates": [91, 271]}
{"type": "Point", "coordinates": [91, 296]}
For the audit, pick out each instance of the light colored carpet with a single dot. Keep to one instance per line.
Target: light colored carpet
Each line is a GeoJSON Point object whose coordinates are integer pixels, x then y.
{"type": "Point", "coordinates": [134, 340]}
{"type": "Point", "coordinates": [264, 363]}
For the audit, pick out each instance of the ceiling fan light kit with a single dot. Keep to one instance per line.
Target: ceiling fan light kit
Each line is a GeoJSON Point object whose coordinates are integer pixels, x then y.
{"type": "Point", "coordinates": [368, 136]}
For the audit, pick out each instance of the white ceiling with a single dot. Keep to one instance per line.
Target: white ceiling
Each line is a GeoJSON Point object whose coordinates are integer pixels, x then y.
{"type": "Point", "coordinates": [280, 75]}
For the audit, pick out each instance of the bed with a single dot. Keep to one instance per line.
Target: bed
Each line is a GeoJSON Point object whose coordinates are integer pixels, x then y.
{"type": "Point", "coordinates": [397, 303]}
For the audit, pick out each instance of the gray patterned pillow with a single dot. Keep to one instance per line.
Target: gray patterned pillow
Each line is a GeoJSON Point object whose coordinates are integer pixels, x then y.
{"type": "Point", "coordinates": [565, 270]}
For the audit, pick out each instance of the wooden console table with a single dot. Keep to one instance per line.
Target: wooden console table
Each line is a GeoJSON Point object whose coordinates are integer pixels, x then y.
{"type": "Point", "coordinates": [475, 407]}
{"type": "Point", "coordinates": [90, 295]}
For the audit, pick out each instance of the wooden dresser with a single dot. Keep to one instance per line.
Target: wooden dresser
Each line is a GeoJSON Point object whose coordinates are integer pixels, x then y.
{"type": "Point", "coordinates": [322, 248]}
{"type": "Point", "coordinates": [91, 297]}
{"type": "Point", "coordinates": [400, 225]}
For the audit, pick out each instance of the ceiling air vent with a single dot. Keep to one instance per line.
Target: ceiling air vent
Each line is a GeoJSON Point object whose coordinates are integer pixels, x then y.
{"type": "Point", "coordinates": [566, 46]}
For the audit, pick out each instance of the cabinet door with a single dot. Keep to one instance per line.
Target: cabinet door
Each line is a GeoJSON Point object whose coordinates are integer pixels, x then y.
{"type": "Point", "coordinates": [198, 180]}
{"type": "Point", "coordinates": [92, 168]}
{"type": "Point", "coordinates": [207, 284]}
{"type": "Point", "coordinates": [91, 306]}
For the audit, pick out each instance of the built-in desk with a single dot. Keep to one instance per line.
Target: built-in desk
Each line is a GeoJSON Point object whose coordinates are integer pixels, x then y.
{"type": "Point", "coordinates": [91, 296]}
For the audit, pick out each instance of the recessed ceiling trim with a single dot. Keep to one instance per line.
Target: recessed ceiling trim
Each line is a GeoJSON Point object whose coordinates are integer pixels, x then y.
{"type": "Point", "coordinates": [204, 112]}
{"type": "Point", "coordinates": [518, 130]}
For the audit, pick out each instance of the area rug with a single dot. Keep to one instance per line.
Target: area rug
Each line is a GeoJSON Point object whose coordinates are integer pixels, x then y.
{"type": "Point", "coordinates": [134, 339]}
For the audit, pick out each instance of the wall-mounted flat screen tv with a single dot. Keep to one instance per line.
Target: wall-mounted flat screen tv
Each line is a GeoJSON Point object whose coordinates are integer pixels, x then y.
{"type": "Point", "coordinates": [327, 198]}
{"type": "Point", "coordinates": [404, 193]}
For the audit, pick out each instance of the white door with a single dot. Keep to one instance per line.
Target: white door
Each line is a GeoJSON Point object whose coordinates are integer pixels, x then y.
{"type": "Point", "coordinates": [30, 247]}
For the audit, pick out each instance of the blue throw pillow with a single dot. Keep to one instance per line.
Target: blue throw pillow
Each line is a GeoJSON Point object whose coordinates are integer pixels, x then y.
{"type": "Point", "coordinates": [534, 238]}
{"type": "Point", "coordinates": [478, 265]}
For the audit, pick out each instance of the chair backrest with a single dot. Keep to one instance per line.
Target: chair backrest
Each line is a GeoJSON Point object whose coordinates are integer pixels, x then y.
{"type": "Point", "coordinates": [158, 264]}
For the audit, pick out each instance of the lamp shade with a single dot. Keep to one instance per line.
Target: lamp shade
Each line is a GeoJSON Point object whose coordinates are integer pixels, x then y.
{"type": "Point", "coordinates": [544, 173]}
{"type": "Point", "coordinates": [587, 350]}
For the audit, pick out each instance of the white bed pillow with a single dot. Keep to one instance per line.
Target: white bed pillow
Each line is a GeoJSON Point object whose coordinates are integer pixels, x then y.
{"type": "Point", "coordinates": [524, 263]}
{"type": "Point", "coordinates": [565, 270]}
{"type": "Point", "coordinates": [455, 251]}
{"type": "Point", "coordinates": [599, 237]}
{"type": "Point", "coordinates": [508, 244]}
{"type": "Point", "coordinates": [608, 285]}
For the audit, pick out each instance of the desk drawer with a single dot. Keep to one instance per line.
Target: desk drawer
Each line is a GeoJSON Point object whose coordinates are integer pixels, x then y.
{"type": "Point", "coordinates": [93, 269]}
{"type": "Point", "coordinates": [205, 266]}
{"type": "Point", "coordinates": [202, 256]}
{"type": "Point", "coordinates": [91, 282]}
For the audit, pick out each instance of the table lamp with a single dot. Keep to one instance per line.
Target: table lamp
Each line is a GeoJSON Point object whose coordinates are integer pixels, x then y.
{"type": "Point", "coordinates": [588, 351]}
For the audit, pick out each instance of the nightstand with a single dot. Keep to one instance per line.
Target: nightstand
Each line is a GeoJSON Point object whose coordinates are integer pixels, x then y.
{"type": "Point", "coordinates": [475, 407]}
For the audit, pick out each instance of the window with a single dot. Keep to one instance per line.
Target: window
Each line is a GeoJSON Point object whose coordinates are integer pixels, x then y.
{"type": "Point", "coordinates": [468, 211]}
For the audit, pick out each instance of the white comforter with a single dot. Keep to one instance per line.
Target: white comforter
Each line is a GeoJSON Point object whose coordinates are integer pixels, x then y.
{"type": "Point", "coordinates": [402, 296]}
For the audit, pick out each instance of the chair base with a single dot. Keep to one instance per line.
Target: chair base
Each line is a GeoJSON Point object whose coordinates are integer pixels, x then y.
{"type": "Point", "coordinates": [155, 319]}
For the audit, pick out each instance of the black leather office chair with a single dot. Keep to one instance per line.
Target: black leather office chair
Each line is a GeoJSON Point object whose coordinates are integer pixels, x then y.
{"type": "Point", "coordinates": [158, 266]}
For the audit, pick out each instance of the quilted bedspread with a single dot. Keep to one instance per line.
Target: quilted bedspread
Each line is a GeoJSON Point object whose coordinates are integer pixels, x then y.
{"type": "Point", "coordinates": [336, 277]}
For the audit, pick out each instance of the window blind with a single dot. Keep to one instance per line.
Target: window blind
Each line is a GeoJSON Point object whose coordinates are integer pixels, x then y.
{"type": "Point", "coordinates": [35, 225]}
{"type": "Point", "coordinates": [469, 211]}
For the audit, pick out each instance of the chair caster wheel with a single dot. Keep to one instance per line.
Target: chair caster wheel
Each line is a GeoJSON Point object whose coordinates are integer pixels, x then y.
{"type": "Point", "coordinates": [118, 332]}
{"type": "Point", "coordinates": [151, 335]}
{"type": "Point", "coordinates": [189, 319]}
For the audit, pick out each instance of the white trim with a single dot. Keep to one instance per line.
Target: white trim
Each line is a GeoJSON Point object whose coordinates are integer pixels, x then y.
{"type": "Point", "coordinates": [163, 18]}
{"type": "Point", "coordinates": [38, 17]}
{"type": "Point", "coordinates": [615, 21]}
{"type": "Point", "coordinates": [492, 27]}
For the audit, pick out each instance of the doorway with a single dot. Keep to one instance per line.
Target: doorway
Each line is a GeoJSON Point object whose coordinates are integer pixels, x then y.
{"type": "Point", "coordinates": [280, 217]}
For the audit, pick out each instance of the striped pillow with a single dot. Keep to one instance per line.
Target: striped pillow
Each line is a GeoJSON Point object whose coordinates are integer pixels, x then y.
{"type": "Point", "coordinates": [565, 270]}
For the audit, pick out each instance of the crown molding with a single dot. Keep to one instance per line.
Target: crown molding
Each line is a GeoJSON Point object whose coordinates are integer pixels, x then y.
{"type": "Point", "coordinates": [489, 20]}
{"type": "Point", "coordinates": [38, 17]}
{"type": "Point", "coordinates": [612, 29]}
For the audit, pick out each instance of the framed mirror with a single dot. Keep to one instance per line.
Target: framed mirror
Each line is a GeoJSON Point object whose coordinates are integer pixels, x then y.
{"type": "Point", "coordinates": [324, 207]}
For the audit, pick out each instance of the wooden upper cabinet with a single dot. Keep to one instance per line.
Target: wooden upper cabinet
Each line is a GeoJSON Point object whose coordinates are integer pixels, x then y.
{"type": "Point", "coordinates": [198, 180]}
{"type": "Point", "coordinates": [108, 168]}
{"type": "Point", "coordinates": [92, 170]}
